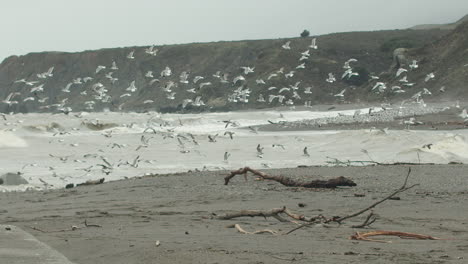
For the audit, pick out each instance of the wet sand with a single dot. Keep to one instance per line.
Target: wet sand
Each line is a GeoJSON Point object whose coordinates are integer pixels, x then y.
{"type": "Point", "coordinates": [177, 210]}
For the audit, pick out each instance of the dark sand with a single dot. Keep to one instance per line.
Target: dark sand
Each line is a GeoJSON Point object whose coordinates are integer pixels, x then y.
{"type": "Point", "coordinates": [177, 209]}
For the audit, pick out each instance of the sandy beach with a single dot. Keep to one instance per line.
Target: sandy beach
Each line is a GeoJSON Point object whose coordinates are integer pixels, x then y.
{"type": "Point", "coordinates": [178, 210]}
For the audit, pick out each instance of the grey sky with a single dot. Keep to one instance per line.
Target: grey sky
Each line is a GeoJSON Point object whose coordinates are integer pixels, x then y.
{"type": "Point", "coordinates": [76, 25]}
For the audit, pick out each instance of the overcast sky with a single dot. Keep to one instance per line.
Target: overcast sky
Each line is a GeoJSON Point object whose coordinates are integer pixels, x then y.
{"type": "Point", "coordinates": [76, 25]}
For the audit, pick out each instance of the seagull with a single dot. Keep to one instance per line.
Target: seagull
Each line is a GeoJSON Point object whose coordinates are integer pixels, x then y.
{"type": "Point", "coordinates": [253, 130]}
{"type": "Point", "coordinates": [301, 66]}
{"type": "Point", "coordinates": [212, 138]}
{"type": "Point", "coordinates": [278, 146]}
{"type": "Point", "coordinates": [30, 83]}
{"type": "Point", "coordinates": [289, 74]}
{"type": "Point", "coordinates": [29, 99]}
{"type": "Point", "coordinates": [306, 53]}
{"type": "Point", "coordinates": [8, 99]}
{"type": "Point", "coordinates": [230, 133]}
{"type": "Point", "coordinates": [313, 45]}
{"type": "Point", "coordinates": [166, 72]}
{"type": "Point", "coordinates": [151, 51]}
{"type": "Point", "coordinates": [149, 74]}
{"type": "Point", "coordinates": [426, 91]}
{"type": "Point", "coordinates": [341, 94]}
{"type": "Point", "coordinates": [130, 55]}
{"type": "Point", "coordinates": [247, 69]}
{"type": "Point", "coordinates": [284, 89]}
{"type": "Point", "coordinates": [171, 96]}
{"type": "Point", "coordinates": [463, 114]}
{"type": "Point", "coordinates": [204, 84]}
{"type": "Point", "coordinates": [48, 73]}
{"type": "Point", "coordinates": [100, 68]}
{"type": "Point", "coordinates": [400, 71]}
{"type": "Point", "coordinates": [260, 81]}
{"type": "Point", "coordinates": [272, 75]}
{"type": "Point", "coordinates": [114, 66]}
{"type": "Point", "coordinates": [67, 88]}
{"type": "Point", "coordinates": [238, 78]}
{"type": "Point", "coordinates": [331, 78]}
{"type": "Point", "coordinates": [183, 78]}
{"type": "Point", "coordinates": [306, 153]}
{"type": "Point", "coordinates": [132, 88]}
{"type": "Point", "coordinates": [226, 156]}
{"type": "Point", "coordinates": [286, 45]}
{"type": "Point", "coordinates": [442, 89]}
{"type": "Point", "coordinates": [307, 90]}
{"type": "Point", "coordinates": [39, 88]}
{"type": "Point", "coordinates": [428, 146]}
{"type": "Point", "coordinates": [229, 122]}
{"type": "Point", "coordinates": [380, 86]}
{"type": "Point", "coordinates": [260, 98]}
{"type": "Point", "coordinates": [198, 78]}
{"type": "Point", "coordinates": [259, 149]}
{"type": "Point", "coordinates": [430, 76]}
{"type": "Point", "coordinates": [414, 65]}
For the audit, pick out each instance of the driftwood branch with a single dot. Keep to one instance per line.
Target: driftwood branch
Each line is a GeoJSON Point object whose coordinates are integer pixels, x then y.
{"type": "Point", "coordinates": [401, 189]}
{"type": "Point", "coordinates": [365, 236]}
{"type": "Point", "coordinates": [370, 219]}
{"type": "Point", "coordinates": [275, 212]}
{"type": "Point", "coordinates": [332, 183]}
{"type": "Point", "coordinates": [252, 213]}
{"type": "Point", "coordinates": [263, 231]}
{"type": "Point", "coordinates": [72, 228]}
{"type": "Point", "coordinates": [339, 219]}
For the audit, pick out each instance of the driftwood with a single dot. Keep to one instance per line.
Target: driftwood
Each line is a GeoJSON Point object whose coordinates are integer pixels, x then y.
{"type": "Point", "coordinates": [332, 183]}
{"type": "Point", "coordinates": [92, 182]}
{"type": "Point", "coordinates": [339, 219]}
{"type": "Point", "coordinates": [275, 213]}
{"type": "Point", "coordinates": [364, 236]}
{"type": "Point", "coordinates": [72, 228]}
{"type": "Point", "coordinates": [252, 213]}
{"type": "Point", "coordinates": [370, 219]}
{"type": "Point", "coordinates": [241, 230]}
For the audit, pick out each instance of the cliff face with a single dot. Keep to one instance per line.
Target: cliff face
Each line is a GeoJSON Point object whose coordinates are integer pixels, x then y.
{"type": "Point", "coordinates": [205, 59]}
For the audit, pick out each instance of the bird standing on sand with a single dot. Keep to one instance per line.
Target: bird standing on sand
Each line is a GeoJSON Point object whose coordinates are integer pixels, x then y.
{"type": "Point", "coordinates": [306, 153]}
{"type": "Point", "coordinates": [226, 156]}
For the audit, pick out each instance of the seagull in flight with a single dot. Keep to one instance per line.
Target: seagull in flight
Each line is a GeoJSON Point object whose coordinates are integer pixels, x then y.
{"type": "Point", "coordinates": [286, 45]}
{"type": "Point", "coordinates": [130, 55]}
{"type": "Point", "coordinates": [430, 76]}
{"type": "Point", "coordinates": [313, 45]}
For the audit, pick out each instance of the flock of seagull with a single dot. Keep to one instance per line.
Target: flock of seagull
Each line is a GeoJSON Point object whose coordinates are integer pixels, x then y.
{"type": "Point", "coordinates": [95, 88]}
{"type": "Point", "coordinates": [187, 88]}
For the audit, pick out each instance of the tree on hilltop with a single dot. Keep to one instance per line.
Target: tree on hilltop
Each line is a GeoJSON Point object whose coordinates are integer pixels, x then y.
{"type": "Point", "coordinates": [305, 33]}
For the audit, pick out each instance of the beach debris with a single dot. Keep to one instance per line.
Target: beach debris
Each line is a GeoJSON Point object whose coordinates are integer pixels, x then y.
{"type": "Point", "coordinates": [331, 183]}
{"type": "Point", "coordinates": [72, 228]}
{"type": "Point", "coordinates": [365, 236]}
{"type": "Point", "coordinates": [243, 231]}
{"type": "Point", "coordinates": [340, 219]}
{"type": "Point", "coordinates": [370, 219]}
{"type": "Point", "coordinates": [92, 182]}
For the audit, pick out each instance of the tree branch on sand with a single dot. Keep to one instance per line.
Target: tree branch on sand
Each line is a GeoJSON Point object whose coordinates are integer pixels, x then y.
{"type": "Point", "coordinates": [279, 213]}
{"type": "Point", "coordinates": [72, 228]}
{"type": "Point", "coordinates": [364, 236]}
{"type": "Point", "coordinates": [331, 183]}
